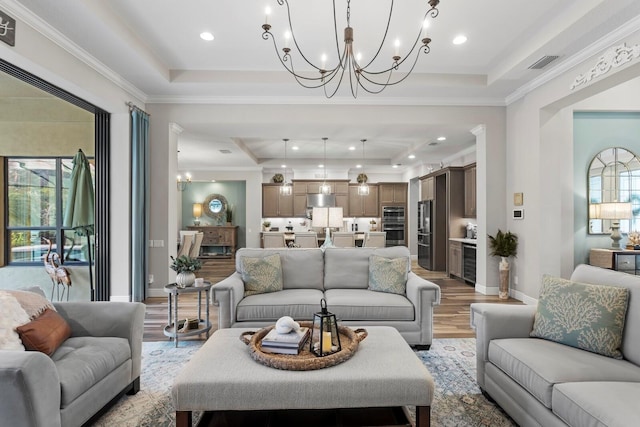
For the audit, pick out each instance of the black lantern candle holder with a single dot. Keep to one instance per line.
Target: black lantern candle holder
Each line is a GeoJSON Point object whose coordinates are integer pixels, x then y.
{"type": "Point", "coordinates": [325, 339]}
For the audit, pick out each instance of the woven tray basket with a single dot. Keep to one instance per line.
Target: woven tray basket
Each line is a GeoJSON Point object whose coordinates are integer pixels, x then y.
{"type": "Point", "coordinates": [305, 360]}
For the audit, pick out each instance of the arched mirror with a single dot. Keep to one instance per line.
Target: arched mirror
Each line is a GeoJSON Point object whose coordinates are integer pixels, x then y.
{"type": "Point", "coordinates": [215, 206]}
{"type": "Point", "coordinates": [614, 183]}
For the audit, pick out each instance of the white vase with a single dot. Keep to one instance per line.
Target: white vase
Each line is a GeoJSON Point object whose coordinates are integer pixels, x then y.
{"type": "Point", "coordinates": [185, 279]}
{"type": "Point", "coordinates": [504, 268]}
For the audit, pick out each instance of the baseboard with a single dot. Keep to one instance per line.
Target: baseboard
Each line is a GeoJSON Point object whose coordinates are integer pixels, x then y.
{"type": "Point", "coordinates": [522, 297]}
{"type": "Point", "coordinates": [119, 298]}
{"type": "Point", "coordinates": [155, 292]}
{"type": "Point", "coordinates": [486, 290]}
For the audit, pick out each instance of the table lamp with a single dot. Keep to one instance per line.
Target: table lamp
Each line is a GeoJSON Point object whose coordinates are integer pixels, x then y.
{"type": "Point", "coordinates": [614, 211]}
{"type": "Point", "coordinates": [197, 213]}
{"type": "Point", "coordinates": [327, 218]}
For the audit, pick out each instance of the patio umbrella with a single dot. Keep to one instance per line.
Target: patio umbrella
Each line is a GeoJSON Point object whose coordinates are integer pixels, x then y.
{"type": "Point", "coordinates": [79, 212]}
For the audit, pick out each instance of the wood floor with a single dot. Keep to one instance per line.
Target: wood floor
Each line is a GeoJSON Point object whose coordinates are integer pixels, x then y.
{"type": "Point", "coordinates": [451, 317]}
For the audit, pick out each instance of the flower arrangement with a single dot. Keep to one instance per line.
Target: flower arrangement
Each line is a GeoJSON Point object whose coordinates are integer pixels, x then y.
{"type": "Point", "coordinates": [634, 238]}
{"type": "Point", "coordinates": [185, 264]}
{"type": "Point", "coordinates": [362, 177]}
{"type": "Point", "coordinates": [278, 178]}
{"type": "Point", "coordinates": [266, 225]}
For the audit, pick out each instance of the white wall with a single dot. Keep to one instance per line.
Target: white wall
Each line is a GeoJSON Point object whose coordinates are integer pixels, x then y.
{"type": "Point", "coordinates": [539, 164]}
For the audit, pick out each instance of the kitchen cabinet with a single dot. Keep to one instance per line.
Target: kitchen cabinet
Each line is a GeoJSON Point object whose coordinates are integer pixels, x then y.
{"type": "Point", "coordinates": [363, 206]}
{"type": "Point", "coordinates": [393, 192]}
{"type": "Point", "coordinates": [455, 259]}
{"type": "Point", "coordinates": [303, 187]}
{"type": "Point", "coordinates": [470, 192]}
{"type": "Point", "coordinates": [427, 188]}
{"type": "Point", "coordinates": [275, 204]}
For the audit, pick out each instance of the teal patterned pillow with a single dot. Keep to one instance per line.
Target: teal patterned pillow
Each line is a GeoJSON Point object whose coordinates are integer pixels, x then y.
{"type": "Point", "coordinates": [261, 275]}
{"type": "Point", "coordinates": [388, 275]}
{"type": "Point", "coordinates": [589, 317]}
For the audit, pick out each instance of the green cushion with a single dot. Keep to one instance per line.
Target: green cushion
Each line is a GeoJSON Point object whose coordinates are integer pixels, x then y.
{"type": "Point", "coordinates": [388, 275]}
{"type": "Point", "coordinates": [589, 317]}
{"type": "Point", "coordinates": [261, 275]}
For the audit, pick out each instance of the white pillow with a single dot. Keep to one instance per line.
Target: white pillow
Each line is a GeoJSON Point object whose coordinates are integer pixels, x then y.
{"type": "Point", "coordinates": [12, 315]}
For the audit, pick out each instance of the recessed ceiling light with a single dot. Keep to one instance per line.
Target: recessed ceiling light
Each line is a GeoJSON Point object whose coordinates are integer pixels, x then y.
{"type": "Point", "coordinates": [213, 180]}
{"type": "Point", "coordinates": [412, 156]}
{"type": "Point", "coordinates": [320, 166]}
{"type": "Point", "coordinates": [396, 165]}
{"type": "Point", "coordinates": [352, 148]}
{"type": "Point", "coordinates": [460, 39]}
{"type": "Point", "coordinates": [206, 36]}
{"type": "Point", "coordinates": [283, 166]}
{"type": "Point", "coordinates": [359, 166]}
{"type": "Point", "coordinates": [295, 147]}
{"type": "Point", "coordinates": [442, 138]}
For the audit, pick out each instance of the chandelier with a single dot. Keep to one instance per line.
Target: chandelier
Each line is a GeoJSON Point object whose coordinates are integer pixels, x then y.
{"type": "Point", "coordinates": [285, 188]}
{"type": "Point", "coordinates": [359, 74]}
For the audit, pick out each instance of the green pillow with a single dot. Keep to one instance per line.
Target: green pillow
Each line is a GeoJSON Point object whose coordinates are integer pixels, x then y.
{"type": "Point", "coordinates": [261, 275]}
{"type": "Point", "coordinates": [388, 275]}
{"type": "Point", "coordinates": [589, 317]}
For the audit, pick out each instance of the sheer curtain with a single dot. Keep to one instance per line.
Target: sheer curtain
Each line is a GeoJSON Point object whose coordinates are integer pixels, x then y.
{"type": "Point", "coordinates": [139, 202]}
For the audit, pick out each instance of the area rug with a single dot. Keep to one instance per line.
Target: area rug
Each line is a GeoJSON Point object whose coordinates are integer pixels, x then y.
{"type": "Point", "coordinates": [452, 363]}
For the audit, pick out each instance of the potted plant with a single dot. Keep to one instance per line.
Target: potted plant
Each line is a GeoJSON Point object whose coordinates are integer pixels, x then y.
{"type": "Point", "coordinates": [186, 267]}
{"type": "Point", "coordinates": [362, 178]}
{"type": "Point", "coordinates": [266, 225]}
{"type": "Point", "coordinates": [229, 213]}
{"type": "Point", "coordinates": [504, 245]}
{"type": "Point", "coordinates": [278, 178]}
{"type": "Point", "coordinates": [372, 224]}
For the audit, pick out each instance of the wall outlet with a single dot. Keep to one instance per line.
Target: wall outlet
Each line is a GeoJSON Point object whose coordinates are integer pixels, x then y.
{"type": "Point", "coordinates": [150, 278]}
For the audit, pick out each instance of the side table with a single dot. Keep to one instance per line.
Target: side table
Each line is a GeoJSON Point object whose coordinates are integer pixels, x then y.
{"type": "Point", "coordinates": [204, 325]}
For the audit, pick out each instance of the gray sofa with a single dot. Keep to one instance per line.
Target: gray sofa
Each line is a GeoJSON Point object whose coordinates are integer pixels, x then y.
{"type": "Point", "coordinates": [543, 383]}
{"type": "Point", "coordinates": [341, 276]}
{"type": "Point", "coordinates": [99, 362]}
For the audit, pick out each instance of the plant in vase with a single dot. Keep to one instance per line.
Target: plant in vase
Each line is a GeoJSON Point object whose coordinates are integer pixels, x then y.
{"type": "Point", "coordinates": [372, 225]}
{"type": "Point", "coordinates": [504, 245]}
{"type": "Point", "coordinates": [266, 225]}
{"type": "Point", "coordinates": [229, 213]}
{"type": "Point", "coordinates": [186, 267]}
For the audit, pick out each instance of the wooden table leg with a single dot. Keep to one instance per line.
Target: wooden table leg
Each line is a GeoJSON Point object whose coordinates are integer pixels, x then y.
{"type": "Point", "coordinates": [423, 416]}
{"type": "Point", "coordinates": [183, 418]}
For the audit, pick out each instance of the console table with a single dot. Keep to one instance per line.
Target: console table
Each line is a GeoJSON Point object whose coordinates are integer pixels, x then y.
{"type": "Point", "coordinates": [625, 260]}
{"type": "Point", "coordinates": [225, 236]}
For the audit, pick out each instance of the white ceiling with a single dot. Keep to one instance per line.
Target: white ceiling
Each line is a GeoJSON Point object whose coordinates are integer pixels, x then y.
{"type": "Point", "coordinates": [155, 46]}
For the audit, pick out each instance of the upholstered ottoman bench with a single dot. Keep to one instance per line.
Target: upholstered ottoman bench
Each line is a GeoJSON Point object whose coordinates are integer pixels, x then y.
{"type": "Point", "coordinates": [222, 376]}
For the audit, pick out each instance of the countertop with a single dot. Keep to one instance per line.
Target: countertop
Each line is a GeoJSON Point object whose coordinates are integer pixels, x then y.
{"type": "Point", "coordinates": [462, 240]}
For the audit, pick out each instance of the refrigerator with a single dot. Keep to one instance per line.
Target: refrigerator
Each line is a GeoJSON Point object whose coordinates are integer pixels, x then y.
{"type": "Point", "coordinates": [425, 234]}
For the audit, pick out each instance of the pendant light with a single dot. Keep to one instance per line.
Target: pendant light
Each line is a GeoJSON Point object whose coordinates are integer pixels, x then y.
{"type": "Point", "coordinates": [285, 188]}
{"type": "Point", "coordinates": [363, 188]}
{"type": "Point", "coordinates": [325, 188]}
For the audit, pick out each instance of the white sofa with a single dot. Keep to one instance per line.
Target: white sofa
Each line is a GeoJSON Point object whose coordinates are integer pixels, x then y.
{"type": "Point", "coordinates": [544, 383]}
{"type": "Point", "coordinates": [341, 276]}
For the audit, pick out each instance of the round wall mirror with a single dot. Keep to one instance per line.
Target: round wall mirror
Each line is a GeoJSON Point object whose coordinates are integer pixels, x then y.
{"type": "Point", "coordinates": [215, 206]}
{"type": "Point", "coordinates": [613, 177]}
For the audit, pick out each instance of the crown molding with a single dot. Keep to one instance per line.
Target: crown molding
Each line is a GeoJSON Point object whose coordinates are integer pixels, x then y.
{"type": "Point", "coordinates": [314, 100]}
{"type": "Point", "coordinates": [594, 49]}
{"type": "Point", "coordinates": [41, 26]}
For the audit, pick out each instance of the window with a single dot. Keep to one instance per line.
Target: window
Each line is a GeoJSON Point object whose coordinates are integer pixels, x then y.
{"type": "Point", "coordinates": [37, 190]}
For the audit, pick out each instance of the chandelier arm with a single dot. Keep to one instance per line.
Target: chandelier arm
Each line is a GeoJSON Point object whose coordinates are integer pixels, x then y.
{"type": "Point", "coordinates": [384, 37]}
{"type": "Point", "coordinates": [389, 83]}
{"type": "Point", "coordinates": [335, 30]}
{"type": "Point", "coordinates": [383, 86]}
{"type": "Point", "coordinates": [293, 36]}
{"type": "Point", "coordinates": [326, 94]}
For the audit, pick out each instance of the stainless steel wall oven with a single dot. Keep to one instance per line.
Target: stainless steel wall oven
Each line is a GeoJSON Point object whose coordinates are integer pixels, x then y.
{"type": "Point", "coordinates": [393, 224]}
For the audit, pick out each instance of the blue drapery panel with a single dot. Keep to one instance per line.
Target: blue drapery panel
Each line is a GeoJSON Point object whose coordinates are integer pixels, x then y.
{"type": "Point", "coordinates": [139, 202]}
